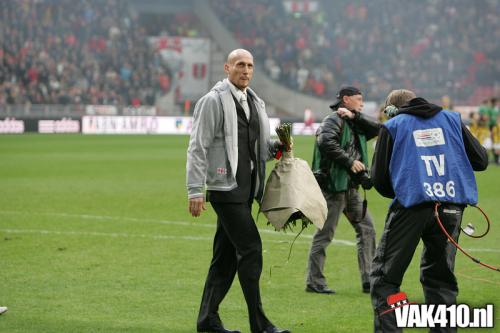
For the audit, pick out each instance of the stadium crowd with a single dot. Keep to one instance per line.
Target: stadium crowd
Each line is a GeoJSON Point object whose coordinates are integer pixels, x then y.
{"type": "Point", "coordinates": [94, 52]}
{"type": "Point", "coordinates": [433, 47]}
{"type": "Point", "coordinates": [80, 52]}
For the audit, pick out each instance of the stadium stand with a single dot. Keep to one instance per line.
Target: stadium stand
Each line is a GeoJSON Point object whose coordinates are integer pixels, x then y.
{"type": "Point", "coordinates": [433, 47]}
{"type": "Point", "coordinates": [94, 52]}
{"type": "Point", "coordinates": [81, 52]}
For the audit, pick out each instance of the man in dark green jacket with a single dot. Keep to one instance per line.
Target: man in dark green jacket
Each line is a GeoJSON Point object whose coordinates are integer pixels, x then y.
{"type": "Point", "coordinates": [340, 165]}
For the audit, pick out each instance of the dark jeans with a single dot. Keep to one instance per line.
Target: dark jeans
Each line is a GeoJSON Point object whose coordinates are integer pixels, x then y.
{"type": "Point", "coordinates": [237, 248]}
{"type": "Point", "coordinates": [404, 227]}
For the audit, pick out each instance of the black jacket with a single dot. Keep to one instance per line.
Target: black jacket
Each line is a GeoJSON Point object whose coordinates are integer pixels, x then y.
{"type": "Point", "coordinates": [330, 132]}
{"type": "Point", "coordinates": [381, 178]}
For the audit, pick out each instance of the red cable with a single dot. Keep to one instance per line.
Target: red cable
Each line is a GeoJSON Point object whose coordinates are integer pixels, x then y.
{"type": "Point", "coordinates": [456, 244]}
{"type": "Point", "coordinates": [488, 223]}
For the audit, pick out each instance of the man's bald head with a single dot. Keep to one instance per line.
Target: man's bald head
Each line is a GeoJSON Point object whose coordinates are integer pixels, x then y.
{"type": "Point", "coordinates": [238, 53]}
{"type": "Point", "coordinates": [239, 68]}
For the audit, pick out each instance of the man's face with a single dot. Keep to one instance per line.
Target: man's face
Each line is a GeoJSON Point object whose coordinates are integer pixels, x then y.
{"type": "Point", "coordinates": [239, 70]}
{"type": "Point", "coordinates": [353, 103]}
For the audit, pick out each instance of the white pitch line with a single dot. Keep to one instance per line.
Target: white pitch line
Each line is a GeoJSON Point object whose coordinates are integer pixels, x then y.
{"type": "Point", "coordinates": [146, 220]}
{"type": "Point", "coordinates": [483, 250]}
{"type": "Point", "coordinates": [121, 235]}
{"type": "Point", "coordinates": [184, 223]}
{"type": "Point", "coordinates": [101, 234]}
{"type": "Point", "coordinates": [110, 218]}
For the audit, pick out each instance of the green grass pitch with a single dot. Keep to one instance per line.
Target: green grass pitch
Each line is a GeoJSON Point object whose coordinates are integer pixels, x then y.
{"type": "Point", "coordinates": [95, 237]}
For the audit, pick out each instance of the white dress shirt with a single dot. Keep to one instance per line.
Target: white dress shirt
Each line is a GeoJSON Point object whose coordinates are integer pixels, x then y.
{"type": "Point", "coordinates": [241, 96]}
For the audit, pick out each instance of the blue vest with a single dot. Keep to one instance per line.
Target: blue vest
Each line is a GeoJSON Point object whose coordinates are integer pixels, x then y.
{"type": "Point", "coordinates": [429, 162]}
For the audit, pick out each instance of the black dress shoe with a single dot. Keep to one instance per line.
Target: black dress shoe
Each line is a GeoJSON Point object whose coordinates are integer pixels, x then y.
{"type": "Point", "coordinates": [276, 330]}
{"type": "Point", "coordinates": [217, 329]}
{"type": "Point", "coordinates": [319, 290]}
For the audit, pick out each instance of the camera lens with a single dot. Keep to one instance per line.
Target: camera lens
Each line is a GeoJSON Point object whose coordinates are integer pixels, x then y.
{"type": "Point", "coordinates": [365, 180]}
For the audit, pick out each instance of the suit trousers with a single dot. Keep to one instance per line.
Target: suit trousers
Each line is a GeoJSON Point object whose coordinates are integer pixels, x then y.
{"type": "Point", "coordinates": [351, 204]}
{"type": "Point", "coordinates": [237, 248]}
{"type": "Point", "coordinates": [404, 227]}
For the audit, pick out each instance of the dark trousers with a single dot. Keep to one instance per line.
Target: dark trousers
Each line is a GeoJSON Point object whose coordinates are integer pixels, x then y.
{"type": "Point", "coordinates": [237, 248]}
{"type": "Point", "coordinates": [404, 227]}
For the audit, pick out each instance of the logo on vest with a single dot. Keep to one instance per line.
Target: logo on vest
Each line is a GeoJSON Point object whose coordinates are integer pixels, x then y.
{"type": "Point", "coordinates": [429, 137]}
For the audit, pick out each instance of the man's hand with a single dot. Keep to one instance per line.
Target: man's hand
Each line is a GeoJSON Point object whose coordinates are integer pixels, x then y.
{"type": "Point", "coordinates": [281, 145]}
{"type": "Point", "coordinates": [344, 113]}
{"type": "Point", "coordinates": [357, 166]}
{"type": "Point", "coordinates": [196, 205]}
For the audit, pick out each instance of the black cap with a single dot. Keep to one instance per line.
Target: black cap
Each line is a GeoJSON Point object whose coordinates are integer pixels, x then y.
{"type": "Point", "coordinates": [346, 91]}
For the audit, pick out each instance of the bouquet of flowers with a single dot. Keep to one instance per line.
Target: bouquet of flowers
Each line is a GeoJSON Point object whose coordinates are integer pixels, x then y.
{"type": "Point", "coordinates": [284, 132]}
{"type": "Point", "coordinates": [291, 192]}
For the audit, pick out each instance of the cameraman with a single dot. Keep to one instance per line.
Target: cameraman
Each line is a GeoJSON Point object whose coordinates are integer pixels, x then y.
{"type": "Point", "coordinates": [424, 155]}
{"type": "Point", "coordinates": [340, 166]}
